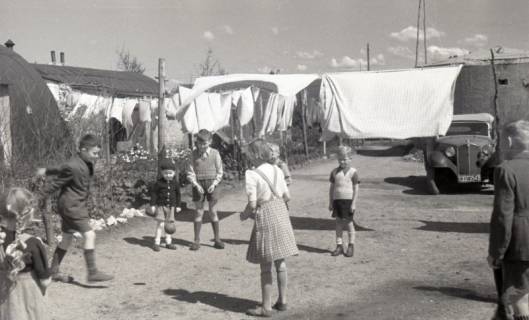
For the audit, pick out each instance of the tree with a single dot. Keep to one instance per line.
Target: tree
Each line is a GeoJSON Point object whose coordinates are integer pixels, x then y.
{"type": "Point", "coordinates": [210, 66]}
{"type": "Point", "coordinates": [128, 62]}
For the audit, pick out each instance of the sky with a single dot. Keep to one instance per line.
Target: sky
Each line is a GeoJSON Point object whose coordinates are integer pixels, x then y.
{"type": "Point", "coordinates": [255, 36]}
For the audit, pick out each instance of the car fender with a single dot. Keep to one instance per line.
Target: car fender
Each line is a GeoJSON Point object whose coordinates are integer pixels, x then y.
{"type": "Point", "coordinates": [438, 160]}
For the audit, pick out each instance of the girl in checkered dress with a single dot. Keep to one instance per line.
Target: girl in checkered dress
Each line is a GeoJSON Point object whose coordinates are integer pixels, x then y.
{"type": "Point", "coordinates": [272, 239]}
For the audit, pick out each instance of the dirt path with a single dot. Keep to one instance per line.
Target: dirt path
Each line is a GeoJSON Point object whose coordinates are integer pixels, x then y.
{"type": "Point", "coordinates": [417, 257]}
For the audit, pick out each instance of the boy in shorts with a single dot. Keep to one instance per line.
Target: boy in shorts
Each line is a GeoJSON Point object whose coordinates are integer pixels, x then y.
{"type": "Point", "coordinates": [343, 194]}
{"type": "Point", "coordinates": [73, 180]}
{"type": "Point", "coordinates": [205, 173]}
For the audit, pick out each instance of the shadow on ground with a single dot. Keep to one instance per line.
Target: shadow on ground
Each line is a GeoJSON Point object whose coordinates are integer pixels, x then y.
{"type": "Point", "coordinates": [417, 185]}
{"type": "Point", "coordinates": [214, 299]}
{"type": "Point", "coordinates": [188, 215]}
{"type": "Point", "coordinates": [305, 223]}
{"type": "Point", "coordinates": [148, 241]}
{"type": "Point", "coordinates": [459, 227]}
{"type": "Point", "coordinates": [301, 247]}
{"type": "Point", "coordinates": [395, 151]}
{"type": "Point", "coordinates": [459, 293]}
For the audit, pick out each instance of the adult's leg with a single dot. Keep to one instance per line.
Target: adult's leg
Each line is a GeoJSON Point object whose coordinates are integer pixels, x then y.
{"type": "Point", "coordinates": [89, 254]}
{"type": "Point", "coordinates": [282, 277]}
{"type": "Point", "coordinates": [58, 256]}
{"type": "Point", "coordinates": [215, 223]}
{"type": "Point", "coordinates": [197, 224]}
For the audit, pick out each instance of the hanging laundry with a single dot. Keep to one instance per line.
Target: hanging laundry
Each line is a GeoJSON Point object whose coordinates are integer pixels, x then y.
{"type": "Point", "coordinates": [102, 104]}
{"type": "Point", "coordinates": [220, 106]}
{"type": "Point", "coordinates": [394, 104]}
{"type": "Point", "coordinates": [255, 93]}
{"type": "Point", "coordinates": [145, 110]}
{"type": "Point", "coordinates": [205, 116]}
{"type": "Point", "coordinates": [245, 108]}
{"type": "Point", "coordinates": [285, 121]}
{"type": "Point", "coordinates": [171, 103]}
{"type": "Point", "coordinates": [236, 96]}
{"type": "Point", "coordinates": [128, 109]}
{"type": "Point", "coordinates": [270, 117]}
{"type": "Point", "coordinates": [85, 102]}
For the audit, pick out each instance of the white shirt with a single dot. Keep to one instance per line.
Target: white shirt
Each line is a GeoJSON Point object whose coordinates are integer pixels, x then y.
{"type": "Point", "coordinates": [257, 188]}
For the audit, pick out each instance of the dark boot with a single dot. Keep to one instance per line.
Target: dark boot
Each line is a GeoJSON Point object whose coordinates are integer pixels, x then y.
{"type": "Point", "coordinates": [197, 225]}
{"type": "Point", "coordinates": [350, 250]}
{"type": "Point", "coordinates": [94, 275]}
{"type": "Point", "coordinates": [338, 251]}
{"type": "Point", "coordinates": [216, 233]}
{"type": "Point", "coordinates": [56, 275]}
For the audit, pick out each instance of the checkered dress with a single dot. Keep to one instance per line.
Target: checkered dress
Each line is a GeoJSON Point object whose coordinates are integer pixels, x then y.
{"type": "Point", "coordinates": [272, 235]}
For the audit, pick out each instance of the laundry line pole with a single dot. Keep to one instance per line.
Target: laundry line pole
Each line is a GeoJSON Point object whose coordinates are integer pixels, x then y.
{"type": "Point", "coordinates": [161, 108]}
{"type": "Point", "coordinates": [304, 102]}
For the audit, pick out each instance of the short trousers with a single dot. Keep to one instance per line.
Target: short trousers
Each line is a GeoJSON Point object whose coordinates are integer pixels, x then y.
{"type": "Point", "coordinates": [342, 209]}
{"type": "Point", "coordinates": [164, 213]}
{"type": "Point", "coordinates": [71, 225]}
{"type": "Point", "coordinates": [205, 184]}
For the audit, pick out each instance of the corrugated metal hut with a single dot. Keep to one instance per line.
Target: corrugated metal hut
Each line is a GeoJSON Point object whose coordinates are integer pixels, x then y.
{"type": "Point", "coordinates": [32, 130]}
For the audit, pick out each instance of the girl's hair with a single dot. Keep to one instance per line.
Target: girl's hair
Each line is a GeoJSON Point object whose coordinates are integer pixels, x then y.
{"type": "Point", "coordinates": [519, 133]}
{"type": "Point", "coordinates": [275, 152]}
{"type": "Point", "coordinates": [259, 152]}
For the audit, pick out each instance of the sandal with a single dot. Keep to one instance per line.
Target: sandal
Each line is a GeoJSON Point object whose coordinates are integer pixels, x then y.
{"type": "Point", "coordinates": [279, 306]}
{"type": "Point", "coordinates": [259, 312]}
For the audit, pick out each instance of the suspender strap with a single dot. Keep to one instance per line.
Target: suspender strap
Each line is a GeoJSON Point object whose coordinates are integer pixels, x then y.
{"type": "Point", "coordinates": [272, 186]}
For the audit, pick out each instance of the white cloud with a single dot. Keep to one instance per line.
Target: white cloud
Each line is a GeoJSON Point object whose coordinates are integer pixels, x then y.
{"type": "Point", "coordinates": [227, 29]}
{"type": "Point", "coordinates": [345, 62]}
{"type": "Point", "coordinates": [378, 60]}
{"type": "Point", "coordinates": [401, 51]}
{"type": "Point", "coordinates": [301, 67]}
{"type": "Point", "coordinates": [440, 53]}
{"type": "Point", "coordinates": [477, 40]}
{"type": "Point", "coordinates": [264, 69]}
{"type": "Point", "coordinates": [309, 55]}
{"type": "Point", "coordinates": [208, 35]}
{"type": "Point", "coordinates": [275, 30]}
{"type": "Point", "coordinates": [410, 33]}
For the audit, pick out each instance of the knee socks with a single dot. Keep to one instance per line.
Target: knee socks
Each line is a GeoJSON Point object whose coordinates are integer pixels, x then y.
{"type": "Point", "coordinates": [90, 258]}
{"type": "Point", "coordinates": [58, 255]}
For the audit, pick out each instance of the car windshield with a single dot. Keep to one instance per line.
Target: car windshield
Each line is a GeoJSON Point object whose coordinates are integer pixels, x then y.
{"type": "Point", "coordinates": [468, 128]}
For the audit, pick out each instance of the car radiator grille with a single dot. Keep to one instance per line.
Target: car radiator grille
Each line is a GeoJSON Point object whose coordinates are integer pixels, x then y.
{"type": "Point", "coordinates": [467, 156]}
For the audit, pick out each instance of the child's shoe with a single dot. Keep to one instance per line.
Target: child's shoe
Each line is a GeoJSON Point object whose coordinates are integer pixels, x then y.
{"type": "Point", "coordinates": [279, 306]}
{"type": "Point", "coordinates": [156, 247]}
{"type": "Point", "coordinates": [338, 251]}
{"type": "Point", "coordinates": [171, 246]}
{"type": "Point", "coordinates": [218, 245]}
{"type": "Point", "coordinates": [98, 276]}
{"type": "Point", "coordinates": [194, 246]}
{"type": "Point", "coordinates": [350, 250]}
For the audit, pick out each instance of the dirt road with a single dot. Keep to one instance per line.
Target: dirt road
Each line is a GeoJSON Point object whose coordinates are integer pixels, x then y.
{"type": "Point", "coordinates": [417, 257]}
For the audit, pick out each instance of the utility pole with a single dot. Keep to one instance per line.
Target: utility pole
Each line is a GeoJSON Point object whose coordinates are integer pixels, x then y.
{"type": "Point", "coordinates": [368, 68]}
{"type": "Point", "coordinates": [423, 4]}
{"type": "Point", "coordinates": [424, 31]}
{"type": "Point", "coordinates": [161, 109]}
{"type": "Point", "coordinates": [417, 40]}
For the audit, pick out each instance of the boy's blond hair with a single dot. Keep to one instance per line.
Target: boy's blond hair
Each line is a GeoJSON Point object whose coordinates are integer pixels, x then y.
{"type": "Point", "coordinates": [345, 152]}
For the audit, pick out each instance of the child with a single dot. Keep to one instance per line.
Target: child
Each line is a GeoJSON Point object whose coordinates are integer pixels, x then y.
{"type": "Point", "coordinates": [165, 201]}
{"type": "Point", "coordinates": [73, 180]}
{"type": "Point", "coordinates": [24, 274]}
{"type": "Point", "coordinates": [343, 195]}
{"type": "Point", "coordinates": [276, 159]}
{"type": "Point", "coordinates": [205, 173]}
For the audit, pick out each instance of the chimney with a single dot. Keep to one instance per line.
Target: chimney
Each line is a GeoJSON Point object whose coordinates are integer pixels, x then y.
{"type": "Point", "coordinates": [53, 60]}
{"type": "Point", "coordinates": [61, 57]}
{"type": "Point", "coordinates": [9, 44]}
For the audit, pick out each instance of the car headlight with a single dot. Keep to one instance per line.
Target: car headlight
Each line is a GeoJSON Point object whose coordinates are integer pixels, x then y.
{"type": "Point", "coordinates": [450, 151]}
{"type": "Point", "coordinates": [486, 150]}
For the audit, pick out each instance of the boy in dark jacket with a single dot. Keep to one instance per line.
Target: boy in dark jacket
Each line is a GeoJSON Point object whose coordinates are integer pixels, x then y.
{"type": "Point", "coordinates": [73, 179]}
{"type": "Point", "coordinates": [165, 202]}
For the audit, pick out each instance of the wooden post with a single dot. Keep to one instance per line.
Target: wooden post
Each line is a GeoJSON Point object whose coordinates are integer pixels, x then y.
{"type": "Point", "coordinates": [161, 108]}
{"type": "Point", "coordinates": [368, 65]}
{"type": "Point", "coordinates": [417, 40]}
{"type": "Point", "coordinates": [424, 30]}
{"type": "Point", "coordinates": [499, 147]}
{"type": "Point", "coordinates": [303, 121]}
{"type": "Point", "coordinates": [324, 149]}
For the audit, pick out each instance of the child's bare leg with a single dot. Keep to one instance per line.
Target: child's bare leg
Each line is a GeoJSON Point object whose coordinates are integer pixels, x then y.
{"type": "Point", "coordinates": [89, 254]}
{"type": "Point", "coordinates": [58, 256]}
{"type": "Point", "coordinates": [339, 239]}
{"type": "Point", "coordinates": [266, 285]}
{"type": "Point", "coordinates": [352, 235]}
{"type": "Point", "coordinates": [215, 224]}
{"type": "Point", "coordinates": [281, 270]}
{"type": "Point", "coordinates": [520, 305]}
{"type": "Point", "coordinates": [197, 224]}
{"type": "Point", "coordinates": [158, 232]}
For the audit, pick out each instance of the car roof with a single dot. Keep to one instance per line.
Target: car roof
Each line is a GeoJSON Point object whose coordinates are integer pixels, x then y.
{"type": "Point", "coordinates": [484, 117]}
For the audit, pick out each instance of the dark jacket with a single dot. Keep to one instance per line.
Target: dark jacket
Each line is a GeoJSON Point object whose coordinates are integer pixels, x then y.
{"type": "Point", "coordinates": [73, 179]}
{"type": "Point", "coordinates": [165, 193]}
{"type": "Point", "coordinates": [509, 224]}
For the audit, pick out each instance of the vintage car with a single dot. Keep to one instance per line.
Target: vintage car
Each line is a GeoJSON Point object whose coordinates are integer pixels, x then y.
{"type": "Point", "coordinates": [465, 155]}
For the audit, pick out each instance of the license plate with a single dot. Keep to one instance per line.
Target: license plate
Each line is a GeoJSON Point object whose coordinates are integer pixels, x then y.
{"type": "Point", "coordinates": [469, 178]}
